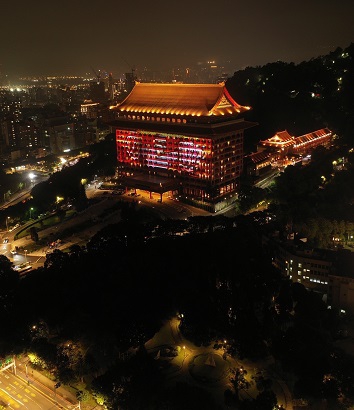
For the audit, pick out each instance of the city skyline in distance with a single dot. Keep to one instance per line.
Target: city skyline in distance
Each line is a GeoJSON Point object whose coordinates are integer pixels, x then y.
{"type": "Point", "coordinates": [71, 37]}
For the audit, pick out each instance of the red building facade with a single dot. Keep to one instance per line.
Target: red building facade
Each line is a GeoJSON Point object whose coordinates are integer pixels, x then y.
{"type": "Point", "coordinates": [190, 133]}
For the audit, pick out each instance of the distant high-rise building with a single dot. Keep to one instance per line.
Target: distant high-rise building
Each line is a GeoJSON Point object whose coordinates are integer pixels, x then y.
{"type": "Point", "coordinates": [130, 79]}
{"type": "Point", "coordinates": [98, 92]}
{"type": "Point", "coordinates": [110, 87]}
{"type": "Point", "coordinates": [29, 135]}
{"type": "Point", "coordinates": [85, 131]}
{"type": "Point", "coordinates": [1, 77]}
{"type": "Point", "coordinates": [90, 110]}
{"type": "Point", "coordinates": [60, 137]}
{"type": "Point", "coordinates": [10, 117]}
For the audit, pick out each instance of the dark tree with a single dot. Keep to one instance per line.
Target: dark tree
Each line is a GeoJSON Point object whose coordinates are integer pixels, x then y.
{"type": "Point", "coordinates": [9, 280]}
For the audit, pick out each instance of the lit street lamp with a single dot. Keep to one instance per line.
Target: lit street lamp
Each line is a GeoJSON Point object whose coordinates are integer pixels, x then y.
{"type": "Point", "coordinates": [59, 199]}
{"type": "Point", "coordinates": [7, 223]}
{"type": "Point", "coordinates": [31, 177]}
{"type": "Point", "coordinates": [31, 209]}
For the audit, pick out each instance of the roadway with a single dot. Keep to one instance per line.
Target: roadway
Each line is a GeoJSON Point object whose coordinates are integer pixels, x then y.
{"type": "Point", "coordinates": [20, 196]}
{"type": "Point", "coordinates": [268, 179]}
{"type": "Point", "coordinates": [26, 193]}
{"type": "Point", "coordinates": [168, 208]}
{"type": "Point", "coordinates": [22, 388]}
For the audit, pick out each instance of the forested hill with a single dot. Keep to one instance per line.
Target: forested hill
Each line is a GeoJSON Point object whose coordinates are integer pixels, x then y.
{"type": "Point", "coordinates": [299, 98]}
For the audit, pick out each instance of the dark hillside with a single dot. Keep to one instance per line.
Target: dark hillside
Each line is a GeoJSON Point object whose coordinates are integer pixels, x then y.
{"type": "Point", "coordinates": [298, 98]}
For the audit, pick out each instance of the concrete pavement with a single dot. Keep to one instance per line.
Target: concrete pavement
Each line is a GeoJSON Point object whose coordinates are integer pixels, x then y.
{"type": "Point", "coordinates": [54, 232]}
{"type": "Point", "coordinates": [60, 395]}
{"type": "Point", "coordinates": [170, 335]}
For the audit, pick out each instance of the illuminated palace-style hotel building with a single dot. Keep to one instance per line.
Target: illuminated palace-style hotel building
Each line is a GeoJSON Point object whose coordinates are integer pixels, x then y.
{"type": "Point", "coordinates": [183, 140]}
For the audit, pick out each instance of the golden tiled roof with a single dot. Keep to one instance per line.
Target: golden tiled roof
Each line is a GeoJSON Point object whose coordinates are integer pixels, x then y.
{"type": "Point", "coordinates": [259, 156]}
{"type": "Point", "coordinates": [180, 99]}
{"type": "Point", "coordinates": [281, 138]}
{"type": "Point", "coordinates": [315, 135]}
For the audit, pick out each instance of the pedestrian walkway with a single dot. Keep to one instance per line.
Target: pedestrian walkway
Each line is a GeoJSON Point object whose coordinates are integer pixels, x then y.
{"type": "Point", "coordinates": [192, 355]}
{"type": "Point", "coordinates": [58, 394]}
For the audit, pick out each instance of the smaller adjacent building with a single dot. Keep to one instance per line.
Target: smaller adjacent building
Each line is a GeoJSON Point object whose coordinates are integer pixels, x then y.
{"type": "Point", "coordinates": [328, 272]}
{"type": "Point", "coordinates": [258, 163]}
{"type": "Point", "coordinates": [283, 142]}
{"type": "Point", "coordinates": [341, 282]}
{"type": "Point", "coordinates": [284, 149]}
{"type": "Point", "coordinates": [305, 265]}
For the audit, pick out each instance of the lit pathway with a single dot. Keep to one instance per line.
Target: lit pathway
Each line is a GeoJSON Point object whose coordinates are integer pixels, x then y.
{"type": "Point", "coordinates": [170, 335]}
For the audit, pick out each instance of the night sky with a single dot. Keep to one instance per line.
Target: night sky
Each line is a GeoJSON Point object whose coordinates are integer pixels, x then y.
{"type": "Point", "coordinates": [70, 36]}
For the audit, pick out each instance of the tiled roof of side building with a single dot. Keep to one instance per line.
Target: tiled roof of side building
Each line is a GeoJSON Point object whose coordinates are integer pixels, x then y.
{"type": "Point", "coordinates": [324, 132]}
{"type": "Point", "coordinates": [281, 138]}
{"type": "Point", "coordinates": [180, 99]}
{"type": "Point", "coordinates": [257, 157]}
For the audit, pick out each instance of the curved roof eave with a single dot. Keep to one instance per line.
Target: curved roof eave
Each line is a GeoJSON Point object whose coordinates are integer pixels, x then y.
{"type": "Point", "coordinates": [180, 99]}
